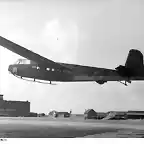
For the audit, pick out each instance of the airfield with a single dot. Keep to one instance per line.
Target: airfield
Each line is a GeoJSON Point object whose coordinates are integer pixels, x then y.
{"type": "Point", "coordinates": [74, 127]}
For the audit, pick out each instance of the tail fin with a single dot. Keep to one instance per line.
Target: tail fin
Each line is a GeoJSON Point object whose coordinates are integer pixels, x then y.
{"type": "Point", "coordinates": [134, 59]}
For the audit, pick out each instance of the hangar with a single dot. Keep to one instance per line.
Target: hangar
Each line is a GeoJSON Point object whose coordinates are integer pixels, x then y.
{"type": "Point", "coordinates": [116, 115]}
{"type": "Point", "coordinates": [14, 108]}
{"type": "Point", "coordinates": [90, 114]}
{"type": "Point", "coordinates": [135, 114]}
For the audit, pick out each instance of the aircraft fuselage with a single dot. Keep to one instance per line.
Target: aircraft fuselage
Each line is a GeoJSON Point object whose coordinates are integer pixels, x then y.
{"type": "Point", "coordinates": [49, 74]}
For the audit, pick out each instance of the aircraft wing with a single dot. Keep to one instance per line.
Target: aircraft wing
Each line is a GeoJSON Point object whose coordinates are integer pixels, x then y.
{"type": "Point", "coordinates": [29, 54]}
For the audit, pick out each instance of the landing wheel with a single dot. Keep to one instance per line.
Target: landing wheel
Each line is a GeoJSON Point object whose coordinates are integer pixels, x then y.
{"type": "Point", "coordinates": [123, 83]}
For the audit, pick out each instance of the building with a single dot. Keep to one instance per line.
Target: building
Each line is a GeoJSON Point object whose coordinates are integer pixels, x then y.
{"type": "Point", "coordinates": [101, 115]}
{"type": "Point", "coordinates": [135, 114]}
{"type": "Point", "coordinates": [125, 115]}
{"type": "Point", "coordinates": [53, 113]}
{"type": "Point", "coordinates": [116, 115]}
{"type": "Point", "coordinates": [32, 114]}
{"type": "Point", "coordinates": [41, 114]}
{"type": "Point", "coordinates": [63, 114]}
{"type": "Point", "coordinates": [14, 108]}
{"type": "Point", "coordinates": [59, 114]}
{"type": "Point", "coordinates": [90, 114]}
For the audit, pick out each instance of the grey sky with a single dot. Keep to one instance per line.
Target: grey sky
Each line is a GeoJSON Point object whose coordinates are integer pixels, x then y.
{"type": "Point", "coordinates": [91, 32]}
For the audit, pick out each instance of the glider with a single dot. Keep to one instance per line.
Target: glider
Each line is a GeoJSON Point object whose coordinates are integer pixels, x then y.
{"type": "Point", "coordinates": [37, 67]}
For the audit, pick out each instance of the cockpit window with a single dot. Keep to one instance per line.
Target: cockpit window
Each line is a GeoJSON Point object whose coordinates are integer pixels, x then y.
{"type": "Point", "coordinates": [17, 62]}
{"type": "Point", "coordinates": [23, 61]}
{"type": "Point", "coordinates": [26, 61]}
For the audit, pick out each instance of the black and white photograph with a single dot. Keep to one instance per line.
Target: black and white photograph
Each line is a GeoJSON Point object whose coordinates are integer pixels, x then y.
{"type": "Point", "coordinates": [71, 69]}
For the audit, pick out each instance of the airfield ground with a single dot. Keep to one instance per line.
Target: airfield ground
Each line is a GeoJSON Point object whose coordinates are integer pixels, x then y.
{"type": "Point", "coordinates": [45, 127]}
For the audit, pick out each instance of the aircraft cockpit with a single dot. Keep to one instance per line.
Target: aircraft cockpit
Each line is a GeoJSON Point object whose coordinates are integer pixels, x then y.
{"type": "Point", "coordinates": [24, 61]}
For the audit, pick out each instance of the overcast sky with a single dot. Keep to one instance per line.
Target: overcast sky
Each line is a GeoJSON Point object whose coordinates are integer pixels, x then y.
{"type": "Point", "coordinates": [90, 32]}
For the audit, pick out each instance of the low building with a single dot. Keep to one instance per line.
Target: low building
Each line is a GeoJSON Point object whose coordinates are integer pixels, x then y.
{"type": "Point", "coordinates": [41, 115]}
{"type": "Point", "coordinates": [135, 114]}
{"type": "Point", "coordinates": [32, 114]}
{"type": "Point", "coordinates": [59, 114]}
{"type": "Point", "coordinates": [116, 115]}
{"type": "Point", "coordinates": [53, 113]}
{"type": "Point", "coordinates": [90, 114]}
{"type": "Point", "coordinates": [63, 114]}
{"type": "Point", "coordinates": [101, 115]}
{"type": "Point", "coordinates": [14, 108]}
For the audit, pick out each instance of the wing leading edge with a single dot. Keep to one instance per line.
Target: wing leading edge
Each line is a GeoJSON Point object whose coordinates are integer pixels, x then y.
{"type": "Point", "coordinates": [29, 54]}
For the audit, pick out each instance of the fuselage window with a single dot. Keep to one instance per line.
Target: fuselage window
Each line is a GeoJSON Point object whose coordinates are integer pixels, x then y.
{"type": "Point", "coordinates": [34, 66]}
{"type": "Point", "coordinates": [48, 69]}
{"type": "Point", "coordinates": [53, 69]}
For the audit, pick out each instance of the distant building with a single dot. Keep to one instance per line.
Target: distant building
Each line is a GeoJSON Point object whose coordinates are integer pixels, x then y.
{"type": "Point", "coordinates": [1, 97]}
{"type": "Point", "coordinates": [116, 115]}
{"type": "Point", "coordinates": [14, 108]}
{"type": "Point", "coordinates": [90, 114]}
{"type": "Point", "coordinates": [101, 115]}
{"type": "Point", "coordinates": [41, 115]}
{"type": "Point", "coordinates": [113, 115]}
{"type": "Point", "coordinates": [63, 114]}
{"type": "Point", "coordinates": [32, 114]}
{"type": "Point", "coordinates": [59, 114]}
{"type": "Point", "coordinates": [135, 114]}
{"type": "Point", "coordinates": [53, 113]}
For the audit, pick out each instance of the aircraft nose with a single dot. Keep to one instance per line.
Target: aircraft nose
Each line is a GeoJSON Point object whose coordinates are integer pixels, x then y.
{"type": "Point", "coordinates": [12, 69]}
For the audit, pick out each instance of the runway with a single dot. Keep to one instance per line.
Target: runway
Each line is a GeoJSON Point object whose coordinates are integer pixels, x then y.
{"type": "Point", "coordinates": [67, 128]}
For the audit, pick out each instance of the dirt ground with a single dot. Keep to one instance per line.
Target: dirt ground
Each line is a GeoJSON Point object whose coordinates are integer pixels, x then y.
{"type": "Point", "coordinates": [47, 127]}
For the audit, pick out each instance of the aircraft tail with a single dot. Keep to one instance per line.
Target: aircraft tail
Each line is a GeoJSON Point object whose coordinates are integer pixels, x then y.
{"type": "Point", "coordinates": [134, 59]}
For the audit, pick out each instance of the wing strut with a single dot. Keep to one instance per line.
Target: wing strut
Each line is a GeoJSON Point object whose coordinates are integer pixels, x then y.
{"type": "Point", "coordinates": [125, 82]}
{"type": "Point", "coordinates": [34, 80]}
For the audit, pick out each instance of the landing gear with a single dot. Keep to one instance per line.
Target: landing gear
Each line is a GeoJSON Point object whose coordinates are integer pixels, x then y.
{"type": "Point", "coordinates": [125, 83]}
{"type": "Point", "coordinates": [52, 83]}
